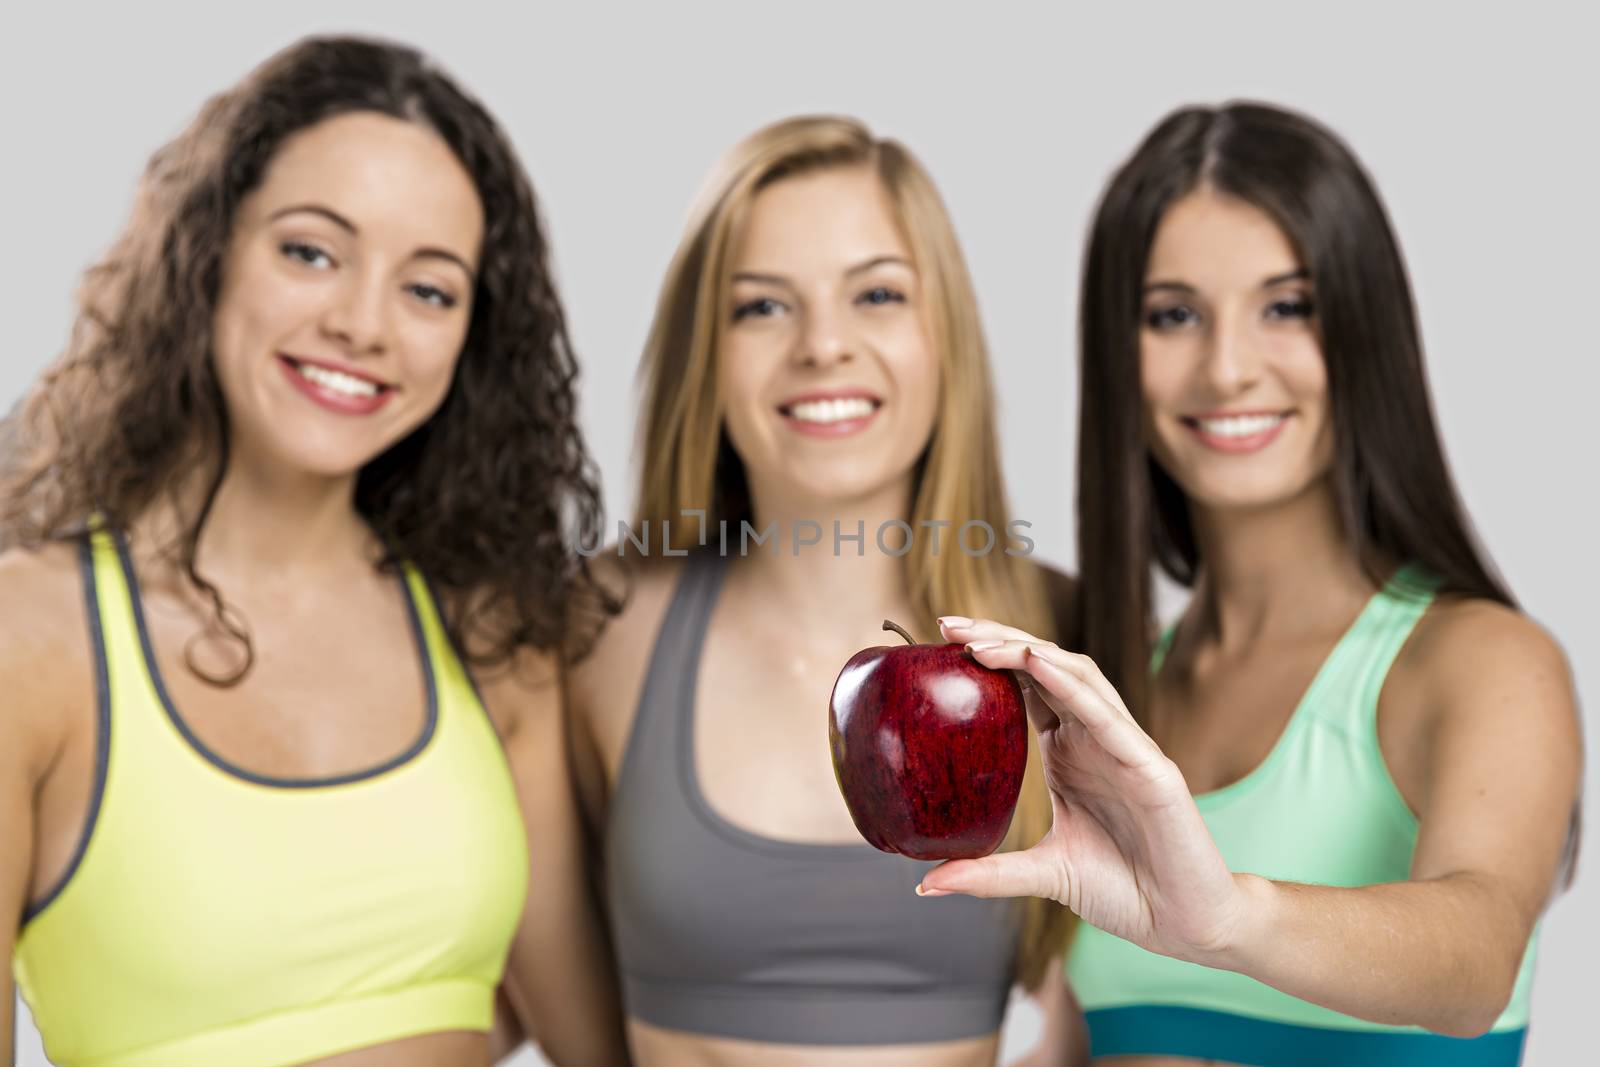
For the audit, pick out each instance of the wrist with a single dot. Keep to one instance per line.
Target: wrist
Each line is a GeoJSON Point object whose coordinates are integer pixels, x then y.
{"type": "Point", "coordinates": [1254, 922]}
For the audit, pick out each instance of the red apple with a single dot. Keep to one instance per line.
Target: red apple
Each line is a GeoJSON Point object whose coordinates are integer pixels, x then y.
{"type": "Point", "coordinates": [929, 747]}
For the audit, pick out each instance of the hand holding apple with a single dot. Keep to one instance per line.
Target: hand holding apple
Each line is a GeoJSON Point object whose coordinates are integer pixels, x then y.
{"type": "Point", "coordinates": [1127, 850]}
{"type": "Point", "coordinates": [929, 748]}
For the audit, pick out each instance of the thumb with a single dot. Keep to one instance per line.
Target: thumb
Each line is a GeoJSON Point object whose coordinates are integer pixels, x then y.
{"type": "Point", "coordinates": [1007, 874]}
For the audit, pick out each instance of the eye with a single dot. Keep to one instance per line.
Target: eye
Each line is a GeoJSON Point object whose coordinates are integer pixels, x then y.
{"type": "Point", "coordinates": [429, 294]}
{"type": "Point", "coordinates": [1171, 317]}
{"type": "Point", "coordinates": [881, 295]}
{"type": "Point", "coordinates": [309, 254]}
{"type": "Point", "coordinates": [764, 307]}
{"type": "Point", "coordinates": [1295, 308]}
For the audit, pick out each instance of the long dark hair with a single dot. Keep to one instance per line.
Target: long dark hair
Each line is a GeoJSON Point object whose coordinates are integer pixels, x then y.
{"type": "Point", "coordinates": [1394, 490]}
{"type": "Point", "coordinates": [1395, 496]}
{"type": "Point", "coordinates": [485, 497]}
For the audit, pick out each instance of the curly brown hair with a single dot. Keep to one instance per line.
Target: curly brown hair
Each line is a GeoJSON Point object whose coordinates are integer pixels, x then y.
{"type": "Point", "coordinates": [486, 498]}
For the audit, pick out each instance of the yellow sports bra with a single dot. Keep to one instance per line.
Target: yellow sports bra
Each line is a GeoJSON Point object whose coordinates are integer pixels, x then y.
{"type": "Point", "coordinates": [214, 916]}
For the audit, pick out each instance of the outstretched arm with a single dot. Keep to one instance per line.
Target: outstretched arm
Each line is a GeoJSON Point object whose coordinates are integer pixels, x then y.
{"type": "Point", "coordinates": [1129, 852]}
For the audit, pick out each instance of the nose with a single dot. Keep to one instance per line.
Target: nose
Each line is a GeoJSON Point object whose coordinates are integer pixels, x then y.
{"type": "Point", "coordinates": [1233, 360]}
{"type": "Point", "coordinates": [824, 338]}
{"type": "Point", "coordinates": [357, 316]}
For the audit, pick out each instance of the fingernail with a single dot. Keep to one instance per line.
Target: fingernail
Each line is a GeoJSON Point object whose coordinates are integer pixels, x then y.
{"type": "Point", "coordinates": [922, 891]}
{"type": "Point", "coordinates": [983, 646]}
{"type": "Point", "coordinates": [955, 622]}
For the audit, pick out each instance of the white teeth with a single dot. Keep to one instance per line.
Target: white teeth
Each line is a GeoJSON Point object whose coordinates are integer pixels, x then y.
{"type": "Point", "coordinates": [827, 411]}
{"type": "Point", "coordinates": [338, 381]}
{"type": "Point", "coordinates": [1239, 425]}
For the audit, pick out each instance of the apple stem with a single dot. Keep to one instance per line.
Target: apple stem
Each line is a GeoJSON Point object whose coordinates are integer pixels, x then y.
{"type": "Point", "coordinates": [887, 625]}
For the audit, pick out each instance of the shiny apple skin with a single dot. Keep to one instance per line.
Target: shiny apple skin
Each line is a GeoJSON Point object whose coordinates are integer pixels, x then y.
{"type": "Point", "coordinates": [929, 749]}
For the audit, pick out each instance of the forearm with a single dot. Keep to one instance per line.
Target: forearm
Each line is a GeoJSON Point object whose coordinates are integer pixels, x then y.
{"type": "Point", "coordinates": [1441, 954]}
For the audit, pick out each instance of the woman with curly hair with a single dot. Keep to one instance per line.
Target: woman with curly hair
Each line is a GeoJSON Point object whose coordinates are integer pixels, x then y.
{"type": "Point", "coordinates": [287, 585]}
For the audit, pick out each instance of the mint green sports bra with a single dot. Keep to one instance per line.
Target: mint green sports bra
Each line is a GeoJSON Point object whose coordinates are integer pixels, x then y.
{"type": "Point", "coordinates": [1321, 808]}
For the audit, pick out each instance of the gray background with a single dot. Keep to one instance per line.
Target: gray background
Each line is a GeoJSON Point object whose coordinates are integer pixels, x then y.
{"type": "Point", "coordinates": [1477, 128]}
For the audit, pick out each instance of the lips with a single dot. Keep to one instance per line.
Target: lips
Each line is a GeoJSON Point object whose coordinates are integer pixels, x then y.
{"type": "Point", "coordinates": [1236, 432]}
{"type": "Point", "coordinates": [336, 388]}
{"type": "Point", "coordinates": [835, 413]}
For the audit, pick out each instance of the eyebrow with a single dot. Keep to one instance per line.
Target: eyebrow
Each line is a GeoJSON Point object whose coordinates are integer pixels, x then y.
{"type": "Point", "coordinates": [350, 227]}
{"type": "Point", "coordinates": [1298, 274]}
{"type": "Point", "coordinates": [859, 268]}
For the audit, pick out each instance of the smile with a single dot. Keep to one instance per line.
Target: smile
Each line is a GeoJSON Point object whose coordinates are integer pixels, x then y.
{"type": "Point", "coordinates": [335, 389]}
{"type": "Point", "coordinates": [1244, 432]}
{"type": "Point", "coordinates": [824, 416]}
{"type": "Point", "coordinates": [826, 412]}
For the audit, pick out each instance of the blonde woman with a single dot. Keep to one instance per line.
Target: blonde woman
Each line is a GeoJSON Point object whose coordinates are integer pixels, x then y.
{"type": "Point", "coordinates": [816, 390]}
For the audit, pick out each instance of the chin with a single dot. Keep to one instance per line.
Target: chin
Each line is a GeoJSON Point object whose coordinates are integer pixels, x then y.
{"type": "Point", "coordinates": [845, 484]}
{"type": "Point", "coordinates": [325, 459]}
{"type": "Point", "coordinates": [1254, 494]}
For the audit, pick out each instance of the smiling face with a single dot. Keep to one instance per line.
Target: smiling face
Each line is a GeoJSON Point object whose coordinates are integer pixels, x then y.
{"type": "Point", "coordinates": [346, 293]}
{"type": "Point", "coordinates": [826, 364]}
{"type": "Point", "coordinates": [1235, 388]}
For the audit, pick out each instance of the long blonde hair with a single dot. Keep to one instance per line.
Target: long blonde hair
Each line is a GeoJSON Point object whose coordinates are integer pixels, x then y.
{"type": "Point", "coordinates": [688, 462]}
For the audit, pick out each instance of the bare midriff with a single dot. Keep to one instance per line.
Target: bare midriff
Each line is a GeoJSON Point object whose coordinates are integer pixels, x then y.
{"type": "Point", "coordinates": [655, 1047]}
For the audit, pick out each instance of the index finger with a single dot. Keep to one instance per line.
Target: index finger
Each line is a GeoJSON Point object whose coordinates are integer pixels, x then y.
{"type": "Point", "coordinates": [956, 628]}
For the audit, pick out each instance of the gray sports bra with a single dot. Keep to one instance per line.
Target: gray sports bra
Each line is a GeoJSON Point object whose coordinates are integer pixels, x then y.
{"type": "Point", "coordinates": [723, 932]}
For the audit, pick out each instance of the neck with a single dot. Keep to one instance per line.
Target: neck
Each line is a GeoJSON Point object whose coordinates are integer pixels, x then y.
{"type": "Point", "coordinates": [265, 520]}
{"type": "Point", "coordinates": [1285, 570]}
{"type": "Point", "coordinates": [821, 586]}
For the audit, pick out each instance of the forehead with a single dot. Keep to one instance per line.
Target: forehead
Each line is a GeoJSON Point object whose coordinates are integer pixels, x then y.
{"type": "Point", "coordinates": [820, 222]}
{"type": "Point", "coordinates": [393, 179]}
{"type": "Point", "coordinates": [1214, 241]}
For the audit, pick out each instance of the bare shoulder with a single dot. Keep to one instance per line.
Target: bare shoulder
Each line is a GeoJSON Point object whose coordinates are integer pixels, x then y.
{"type": "Point", "coordinates": [44, 645]}
{"type": "Point", "coordinates": [604, 684]}
{"type": "Point", "coordinates": [1471, 657]}
{"type": "Point", "coordinates": [1463, 644]}
{"type": "Point", "coordinates": [646, 585]}
{"type": "Point", "coordinates": [519, 689]}
{"type": "Point", "coordinates": [527, 693]}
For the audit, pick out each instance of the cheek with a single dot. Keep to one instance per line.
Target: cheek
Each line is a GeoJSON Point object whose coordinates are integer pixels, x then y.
{"type": "Point", "coordinates": [258, 310]}
{"type": "Point", "coordinates": [745, 365]}
{"type": "Point", "coordinates": [923, 406]}
{"type": "Point", "coordinates": [1163, 369]}
{"type": "Point", "coordinates": [242, 329]}
{"type": "Point", "coordinates": [433, 353]}
{"type": "Point", "coordinates": [1297, 364]}
{"type": "Point", "coordinates": [914, 364]}
{"type": "Point", "coordinates": [1307, 374]}
{"type": "Point", "coordinates": [1162, 378]}
{"type": "Point", "coordinates": [1307, 377]}
{"type": "Point", "coordinates": [1166, 368]}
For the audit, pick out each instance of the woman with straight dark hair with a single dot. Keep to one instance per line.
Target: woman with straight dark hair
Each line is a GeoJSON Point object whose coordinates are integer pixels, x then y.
{"type": "Point", "coordinates": [286, 592]}
{"type": "Point", "coordinates": [1317, 820]}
